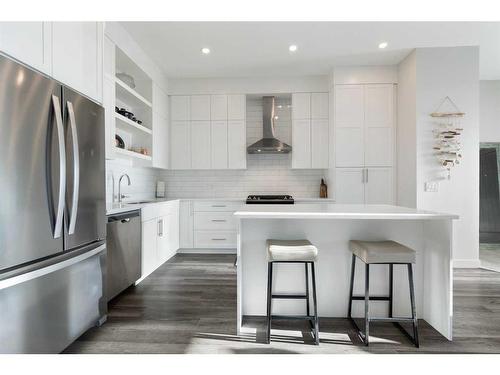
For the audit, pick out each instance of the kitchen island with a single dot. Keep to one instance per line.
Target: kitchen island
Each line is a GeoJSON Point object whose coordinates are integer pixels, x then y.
{"type": "Point", "coordinates": [330, 227]}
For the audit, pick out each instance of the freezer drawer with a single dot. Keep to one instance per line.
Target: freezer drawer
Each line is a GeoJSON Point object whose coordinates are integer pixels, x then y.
{"type": "Point", "coordinates": [46, 309]}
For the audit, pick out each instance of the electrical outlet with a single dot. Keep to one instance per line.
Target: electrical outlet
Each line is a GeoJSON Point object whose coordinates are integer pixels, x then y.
{"type": "Point", "coordinates": [432, 186]}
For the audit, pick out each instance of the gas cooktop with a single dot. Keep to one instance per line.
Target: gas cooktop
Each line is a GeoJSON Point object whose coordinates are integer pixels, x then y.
{"type": "Point", "coordinates": [270, 199]}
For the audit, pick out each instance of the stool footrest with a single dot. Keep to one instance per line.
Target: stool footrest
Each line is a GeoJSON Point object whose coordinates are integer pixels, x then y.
{"type": "Point", "coordinates": [289, 296]}
{"type": "Point", "coordinates": [292, 317]}
{"type": "Point", "coordinates": [371, 298]}
{"type": "Point", "coordinates": [391, 320]}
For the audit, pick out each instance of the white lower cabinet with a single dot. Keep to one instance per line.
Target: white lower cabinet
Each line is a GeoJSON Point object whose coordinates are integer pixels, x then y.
{"type": "Point", "coordinates": [208, 224]}
{"type": "Point", "coordinates": [364, 186]}
{"type": "Point", "coordinates": [160, 234]}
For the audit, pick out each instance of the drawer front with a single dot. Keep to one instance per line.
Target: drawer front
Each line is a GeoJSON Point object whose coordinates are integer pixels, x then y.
{"type": "Point", "coordinates": [210, 206]}
{"type": "Point", "coordinates": [214, 239]}
{"type": "Point", "coordinates": [215, 221]}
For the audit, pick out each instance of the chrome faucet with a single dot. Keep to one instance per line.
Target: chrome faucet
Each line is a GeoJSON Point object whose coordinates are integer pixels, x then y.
{"type": "Point", "coordinates": [120, 195]}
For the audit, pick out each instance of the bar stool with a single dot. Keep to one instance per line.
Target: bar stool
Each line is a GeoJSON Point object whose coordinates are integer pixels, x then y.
{"type": "Point", "coordinates": [293, 251]}
{"type": "Point", "coordinates": [382, 252]}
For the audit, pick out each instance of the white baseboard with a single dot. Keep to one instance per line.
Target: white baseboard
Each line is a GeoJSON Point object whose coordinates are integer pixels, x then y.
{"type": "Point", "coordinates": [466, 263]}
{"type": "Point", "coordinates": [206, 251]}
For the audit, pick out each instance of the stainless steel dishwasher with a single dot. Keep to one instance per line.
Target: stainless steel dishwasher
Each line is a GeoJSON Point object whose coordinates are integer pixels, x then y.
{"type": "Point", "coordinates": [124, 251]}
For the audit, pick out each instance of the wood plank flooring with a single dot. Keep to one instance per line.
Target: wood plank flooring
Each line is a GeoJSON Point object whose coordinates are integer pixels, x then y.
{"type": "Point", "coordinates": [188, 305]}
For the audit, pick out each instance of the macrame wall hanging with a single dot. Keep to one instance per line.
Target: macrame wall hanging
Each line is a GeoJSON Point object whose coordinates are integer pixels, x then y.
{"type": "Point", "coordinates": [448, 128]}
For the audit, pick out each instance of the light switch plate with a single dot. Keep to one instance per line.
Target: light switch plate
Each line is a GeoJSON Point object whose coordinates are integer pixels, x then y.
{"type": "Point", "coordinates": [432, 186]}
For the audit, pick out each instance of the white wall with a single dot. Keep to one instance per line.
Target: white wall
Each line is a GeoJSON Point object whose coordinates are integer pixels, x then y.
{"type": "Point", "coordinates": [489, 104]}
{"type": "Point", "coordinates": [407, 133]}
{"type": "Point", "coordinates": [254, 85]}
{"type": "Point", "coordinates": [450, 72]}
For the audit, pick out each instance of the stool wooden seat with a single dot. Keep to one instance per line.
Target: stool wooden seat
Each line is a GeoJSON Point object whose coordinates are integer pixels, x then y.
{"type": "Point", "coordinates": [382, 252]}
{"type": "Point", "coordinates": [292, 251]}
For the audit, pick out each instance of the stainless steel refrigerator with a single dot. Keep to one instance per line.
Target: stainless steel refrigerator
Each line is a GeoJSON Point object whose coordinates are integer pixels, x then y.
{"type": "Point", "coordinates": [52, 214]}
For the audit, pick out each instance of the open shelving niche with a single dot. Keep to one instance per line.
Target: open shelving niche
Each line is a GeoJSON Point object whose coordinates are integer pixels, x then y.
{"type": "Point", "coordinates": [138, 101]}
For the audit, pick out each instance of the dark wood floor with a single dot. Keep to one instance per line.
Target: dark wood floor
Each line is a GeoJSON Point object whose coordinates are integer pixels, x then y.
{"type": "Point", "coordinates": [189, 306]}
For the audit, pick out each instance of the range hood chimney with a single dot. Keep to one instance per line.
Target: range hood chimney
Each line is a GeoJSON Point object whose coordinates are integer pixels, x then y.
{"type": "Point", "coordinates": [268, 144]}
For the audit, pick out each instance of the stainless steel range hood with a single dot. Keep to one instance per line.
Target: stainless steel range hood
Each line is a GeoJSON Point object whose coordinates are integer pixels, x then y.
{"type": "Point", "coordinates": [269, 144]}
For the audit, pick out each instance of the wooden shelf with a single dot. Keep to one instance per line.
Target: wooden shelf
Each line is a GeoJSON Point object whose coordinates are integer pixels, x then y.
{"type": "Point", "coordinates": [129, 95]}
{"type": "Point", "coordinates": [131, 154]}
{"type": "Point", "coordinates": [133, 124]}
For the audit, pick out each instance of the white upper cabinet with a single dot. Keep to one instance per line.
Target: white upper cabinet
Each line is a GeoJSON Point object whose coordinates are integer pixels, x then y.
{"type": "Point", "coordinates": [237, 147]}
{"type": "Point", "coordinates": [364, 128]}
{"type": "Point", "coordinates": [219, 144]}
{"type": "Point", "coordinates": [29, 42]}
{"type": "Point", "coordinates": [179, 108]}
{"type": "Point", "coordinates": [236, 107]}
{"type": "Point", "coordinates": [319, 105]}
{"type": "Point", "coordinates": [319, 143]}
{"type": "Point", "coordinates": [301, 106]}
{"type": "Point", "coordinates": [180, 145]}
{"type": "Point", "coordinates": [301, 143]}
{"type": "Point", "coordinates": [200, 107]}
{"type": "Point", "coordinates": [379, 115]}
{"type": "Point", "coordinates": [218, 107]}
{"type": "Point", "coordinates": [77, 56]}
{"type": "Point", "coordinates": [310, 130]}
{"type": "Point", "coordinates": [200, 145]}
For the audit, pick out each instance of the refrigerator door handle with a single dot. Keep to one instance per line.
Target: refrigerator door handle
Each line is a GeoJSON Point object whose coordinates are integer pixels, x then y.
{"type": "Point", "coordinates": [62, 167]}
{"type": "Point", "coordinates": [76, 169]}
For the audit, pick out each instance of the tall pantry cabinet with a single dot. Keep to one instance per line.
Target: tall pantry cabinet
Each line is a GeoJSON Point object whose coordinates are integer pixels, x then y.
{"type": "Point", "coordinates": [364, 143]}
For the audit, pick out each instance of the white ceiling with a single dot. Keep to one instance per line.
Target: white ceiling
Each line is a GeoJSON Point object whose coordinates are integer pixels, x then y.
{"type": "Point", "coordinates": [249, 49]}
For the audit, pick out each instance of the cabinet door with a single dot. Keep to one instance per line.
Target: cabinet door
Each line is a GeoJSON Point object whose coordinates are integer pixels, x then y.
{"type": "Point", "coordinates": [29, 42]}
{"type": "Point", "coordinates": [236, 107]}
{"type": "Point", "coordinates": [149, 246]}
{"type": "Point", "coordinates": [160, 141]}
{"type": "Point", "coordinates": [218, 107]}
{"type": "Point", "coordinates": [186, 224]}
{"type": "Point", "coordinates": [109, 116]}
{"type": "Point", "coordinates": [180, 145]}
{"type": "Point", "coordinates": [301, 106]}
{"type": "Point", "coordinates": [349, 126]}
{"type": "Point", "coordinates": [319, 143]}
{"type": "Point", "coordinates": [200, 107]}
{"type": "Point", "coordinates": [319, 105]}
{"type": "Point", "coordinates": [237, 144]}
{"type": "Point", "coordinates": [77, 56]}
{"type": "Point", "coordinates": [179, 108]}
{"type": "Point", "coordinates": [379, 186]}
{"type": "Point", "coordinates": [349, 185]}
{"type": "Point", "coordinates": [200, 145]}
{"type": "Point", "coordinates": [173, 229]}
{"type": "Point", "coordinates": [163, 242]}
{"type": "Point", "coordinates": [379, 115]}
{"type": "Point", "coordinates": [301, 143]}
{"type": "Point", "coordinates": [219, 144]}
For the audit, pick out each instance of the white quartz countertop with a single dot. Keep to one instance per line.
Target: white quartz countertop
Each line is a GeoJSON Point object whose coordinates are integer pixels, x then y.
{"type": "Point", "coordinates": [116, 208]}
{"type": "Point", "coordinates": [337, 211]}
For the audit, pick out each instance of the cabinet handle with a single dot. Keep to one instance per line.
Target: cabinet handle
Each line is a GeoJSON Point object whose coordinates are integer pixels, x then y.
{"type": "Point", "coordinates": [218, 239]}
{"type": "Point", "coordinates": [218, 205]}
{"type": "Point", "coordinates": [366, 175]}
{"type": "Point", "coordinates": [160, 228]}
{"type": "Point", "coordinates": [219, 220]}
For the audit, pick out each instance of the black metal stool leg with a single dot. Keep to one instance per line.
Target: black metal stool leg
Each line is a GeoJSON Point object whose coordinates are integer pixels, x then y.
{"type": "Point", "coordinates": [391, 288]}
{"type": "Point", "coordinates": [307, 289]}
{"type": "Point", "coordinates": [367, 304]}
{"type": "Point", "coordinates": [413, 309]}
{"type": "Point", "coordinates": [269, 299]}
{"type": "Point", "coordinates": [351, 288]}
{"type": "Point", "coordinates": [316, 324]}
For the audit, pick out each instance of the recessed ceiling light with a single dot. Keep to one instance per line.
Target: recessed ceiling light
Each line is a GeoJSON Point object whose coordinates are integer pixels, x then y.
{"type": "Point", "coordinates": [382, 45]}
{"type": "Point", "coordinates": [292, 48]}
{"type": "Point", "coordinates": [205, 50]}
